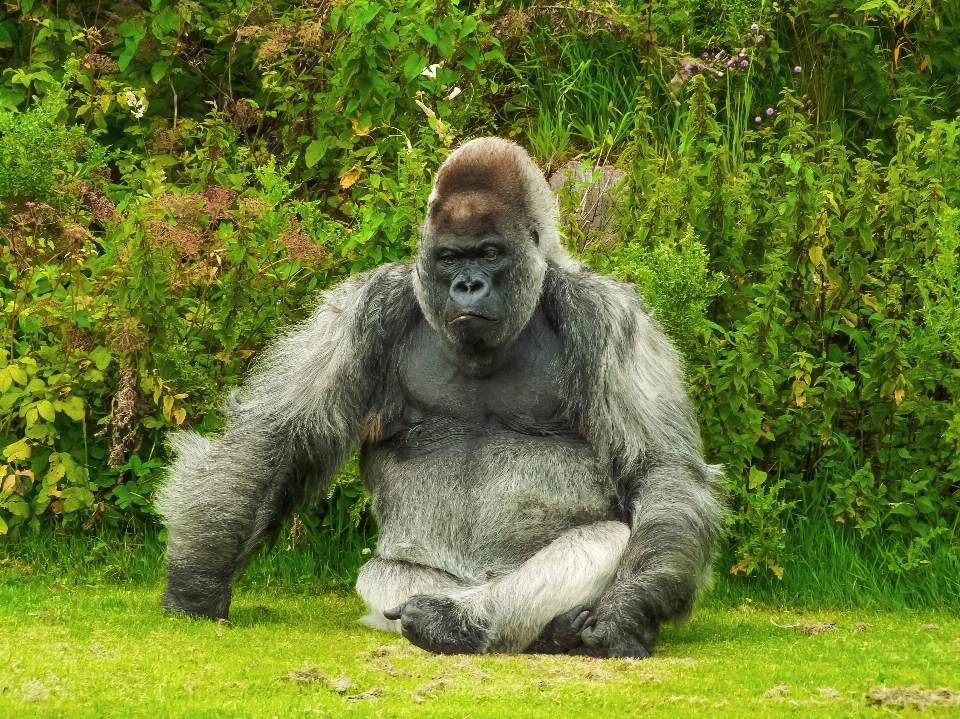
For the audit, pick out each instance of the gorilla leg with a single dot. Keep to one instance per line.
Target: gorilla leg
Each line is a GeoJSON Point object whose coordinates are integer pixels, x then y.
{"type": "Point", "coordinates": [510, 612]}
{"type": "Point", "coordinates": [569, 573]}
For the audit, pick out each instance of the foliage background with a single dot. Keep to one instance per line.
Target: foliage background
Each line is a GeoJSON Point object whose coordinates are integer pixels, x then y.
{"type": "Point", "coordinates": [177, 179]}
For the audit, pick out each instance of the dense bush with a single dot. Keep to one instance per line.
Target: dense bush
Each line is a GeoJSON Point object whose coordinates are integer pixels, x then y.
{"type": "Point", "coordinates": [177, 181]}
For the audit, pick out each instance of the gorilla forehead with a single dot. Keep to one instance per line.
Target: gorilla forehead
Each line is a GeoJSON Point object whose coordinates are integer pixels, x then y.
{"type": "Point", "coordinates": [470, 214]}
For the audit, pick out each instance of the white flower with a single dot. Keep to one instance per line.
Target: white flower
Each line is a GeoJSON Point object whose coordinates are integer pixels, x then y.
{"type": "Point", "coordinates": [431, 71]}
{"type": "Point", "coordinates": [135, 104]}
{"type": "Point", "coordinates": [453, 93]}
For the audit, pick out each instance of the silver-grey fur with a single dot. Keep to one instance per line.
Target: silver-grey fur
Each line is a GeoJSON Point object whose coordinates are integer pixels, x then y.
{"type": "Point", "coordinates": [604, 504]}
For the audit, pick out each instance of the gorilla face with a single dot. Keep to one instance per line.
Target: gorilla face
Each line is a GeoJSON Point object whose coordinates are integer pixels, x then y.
{"type": "Point", "coordinates": [475, 272]}
{"type": "Point", "coordinates": [478, 282]}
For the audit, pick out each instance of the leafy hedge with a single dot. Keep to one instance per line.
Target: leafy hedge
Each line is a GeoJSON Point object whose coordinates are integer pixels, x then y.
{"type": "Point", "coordinates": [176, 182]}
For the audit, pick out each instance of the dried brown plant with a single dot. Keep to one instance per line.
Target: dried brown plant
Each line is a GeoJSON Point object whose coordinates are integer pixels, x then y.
{"type": "Point", "coordinates": [130, 338]}
{"type": "Point", "coordinates": [101, 63]}
{"type": "Point", "coordinates": [299, 246]}
{"type": "Point", "coordinates": [280, 40]}
{"type": "Point", "coordinates": [245, 114]}
{"type": "Point", "coordinates": [217, 200]}
{"type": "Point", "coordinates": [247, 32]}
{"type": "Point", "coordinates": [101, 207]}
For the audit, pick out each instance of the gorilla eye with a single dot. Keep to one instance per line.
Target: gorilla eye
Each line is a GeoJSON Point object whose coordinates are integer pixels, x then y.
{"type": "Point", "coordinates": [448, 259]}
{"type": "Point", "coordinates": [491, 255]}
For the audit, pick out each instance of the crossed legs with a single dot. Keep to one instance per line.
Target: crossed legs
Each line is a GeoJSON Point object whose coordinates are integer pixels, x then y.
{"type": "Point", "coordinates": [539, 606]}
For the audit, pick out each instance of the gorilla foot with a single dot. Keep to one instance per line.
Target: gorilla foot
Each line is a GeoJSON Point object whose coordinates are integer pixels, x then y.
{"type": "Point", "coordinates": [562, 634]}
{"type": "Point", "coordinates": [439, 625]}
{"type": "Point", "coordinates": [609, 639]}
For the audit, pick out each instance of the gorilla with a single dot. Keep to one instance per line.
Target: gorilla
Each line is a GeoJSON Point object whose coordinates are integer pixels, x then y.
{"type": "Point", "coordinates": [533, 458]}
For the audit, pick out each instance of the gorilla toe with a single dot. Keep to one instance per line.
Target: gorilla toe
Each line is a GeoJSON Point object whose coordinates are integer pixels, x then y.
{"type": "Point", "coordinates": [439, 625]}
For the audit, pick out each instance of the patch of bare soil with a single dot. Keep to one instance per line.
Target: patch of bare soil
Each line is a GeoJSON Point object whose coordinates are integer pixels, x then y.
{"type": "Point", "coordinates": [311, 675]}
{"type": "Point", "coordinates": [903, 697]}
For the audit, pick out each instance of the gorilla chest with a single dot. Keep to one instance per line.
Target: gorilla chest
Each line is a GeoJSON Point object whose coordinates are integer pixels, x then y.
{"type": "Point", "coordinates": [522, 395]}
{"type": "Point", "coordinates": [480, 473]}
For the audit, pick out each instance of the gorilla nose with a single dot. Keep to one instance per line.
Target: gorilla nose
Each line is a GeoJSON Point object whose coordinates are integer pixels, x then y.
{"type": "Point", "coordinates": [466, 291]}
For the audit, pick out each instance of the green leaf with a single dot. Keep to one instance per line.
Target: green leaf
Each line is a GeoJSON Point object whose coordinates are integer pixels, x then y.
{"type": "Point", "coordinates": [101, 357]}
{"type": "Point", "coordinates": [469, 25]}
{"type": "Point", "coordinates": [427, 33]}
{"type": "Point", "coordinates": [75, 498]}
{"type": "Point", "coordinates": [46, 410]}
{"type": "Point", "coordinates": [164, 22]}
{"type": "Point", "coordinates": [55, 474]}
{"type": "Point", "coordinates": [5, 380]}
{"type": "Point", "coordinates": [158, 71]}
{"type": "Point", "coordinates": [17, 374]}
{"type": "Point", "coordinates": [18, 451]}
{"type": "Point", "coordinates": [6, 40]}
{"type": "Point", "coordinates": [756, 478]}
{"type": "Point", "coordinates": [315, 152]}
{"type": "Point", "coordinates": [17, 506]}
{"type": "Point", "coordinates": [72, 406]}
{"type": "Point", "coordinates": [858, 271]}
{"type": "Point", "coordinates": [132, 35]}
{"type": "Point", "coordinates": [3, 526]}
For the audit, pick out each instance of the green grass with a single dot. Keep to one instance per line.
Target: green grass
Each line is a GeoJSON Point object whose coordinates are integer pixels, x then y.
{"type": "Point", "coordinates": [81, 634]}
{"type": "Point", "coordinates": [107, 651]}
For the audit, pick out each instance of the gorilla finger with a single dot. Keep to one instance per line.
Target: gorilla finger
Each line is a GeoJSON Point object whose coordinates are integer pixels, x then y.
{"type": "Point", "coordinates": [588, 638]}
{"type": "Point", "coordinates": [394, 613]}
{"type": "Point", "coordinates": [582, 621]}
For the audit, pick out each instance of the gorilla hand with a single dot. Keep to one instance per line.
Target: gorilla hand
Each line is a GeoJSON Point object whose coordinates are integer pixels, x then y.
{"type": "Point", "coordinates": [612, 632]}
{"type": "Point", "coordinates": [439, 625]}
{"type": "Point", "coordinates": [562, 634]}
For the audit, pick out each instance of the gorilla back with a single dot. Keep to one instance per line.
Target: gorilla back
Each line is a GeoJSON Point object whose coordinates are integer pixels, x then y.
{"type": "Point", "coordinates": [532, 455]}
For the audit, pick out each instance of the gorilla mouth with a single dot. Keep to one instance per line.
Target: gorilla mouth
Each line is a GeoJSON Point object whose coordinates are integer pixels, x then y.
{"type": "Point", "coordinates": [472, 314]}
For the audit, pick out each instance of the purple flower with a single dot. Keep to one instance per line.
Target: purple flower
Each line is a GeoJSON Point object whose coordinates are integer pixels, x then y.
{"type": "Point", "coordinates": [699, 66]}
{"type": "Point", "coordinates": [687, 68]}
{"type": "Point", "coordinates": [754, 27]}
{"type": "Point", "coordinates": [744, 63]}
{"type": "Point", "coordinates": [769, 111]}
{"type": "Point", "coordinates": [758, 119]}
{"type": "Point", "coordinates": [798, 69]}
{"type": "Point", "coordinates": [729, 63]}
{"type": "Point", "coordinates": [741, 56]}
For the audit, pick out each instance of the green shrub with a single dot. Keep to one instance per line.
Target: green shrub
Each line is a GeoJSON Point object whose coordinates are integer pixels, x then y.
{"type": "Point", "coordinates": [177, 182]}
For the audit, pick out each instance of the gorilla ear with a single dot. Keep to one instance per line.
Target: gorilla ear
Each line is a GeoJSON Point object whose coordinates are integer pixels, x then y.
{"type": "Point", "coordinates": [536, 237]}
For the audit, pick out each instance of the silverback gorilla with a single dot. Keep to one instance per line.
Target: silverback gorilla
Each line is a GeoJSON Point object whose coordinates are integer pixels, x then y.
{"type": "Point", "coordinates": [533, 458]}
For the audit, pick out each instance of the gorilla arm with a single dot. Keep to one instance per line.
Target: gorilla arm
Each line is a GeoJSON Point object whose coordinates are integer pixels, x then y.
{"type": "Point", "coordinates": [631, 404]}
{"type": "Point", "coordinates": [289, 428]}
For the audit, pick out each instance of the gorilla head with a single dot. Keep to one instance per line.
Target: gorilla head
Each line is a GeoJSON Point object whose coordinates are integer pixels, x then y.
{"type": "Point", "coordinates": [489, 234]}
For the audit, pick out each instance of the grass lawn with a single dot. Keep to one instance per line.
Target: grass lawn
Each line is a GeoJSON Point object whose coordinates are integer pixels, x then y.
{"type": "Point", "coordinates": [107, 651]}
